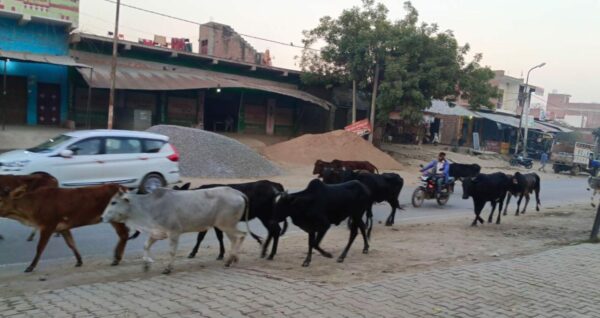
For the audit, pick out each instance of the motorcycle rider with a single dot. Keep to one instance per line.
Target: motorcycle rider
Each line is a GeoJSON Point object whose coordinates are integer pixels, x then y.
{"type": "Point", "coordinates": [440, 169]}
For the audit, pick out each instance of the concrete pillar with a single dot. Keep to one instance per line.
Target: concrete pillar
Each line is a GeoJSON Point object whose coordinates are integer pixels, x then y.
{"type": "Point", "coordinates": [270, 124]}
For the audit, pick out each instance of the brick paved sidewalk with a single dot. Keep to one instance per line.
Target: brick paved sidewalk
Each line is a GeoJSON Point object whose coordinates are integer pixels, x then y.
{"type": "Point", "coordinates": [559, 283]}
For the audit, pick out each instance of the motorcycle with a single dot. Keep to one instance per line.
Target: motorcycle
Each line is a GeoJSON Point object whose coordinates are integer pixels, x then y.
{"type": "Point", "coordinates": [427, 191]}
{"type": "Point", "coordinates": [521, 161]}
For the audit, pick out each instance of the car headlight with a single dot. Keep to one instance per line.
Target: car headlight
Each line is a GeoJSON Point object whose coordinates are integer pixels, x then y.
{"type": "Point", "coordinates": [16, 164]}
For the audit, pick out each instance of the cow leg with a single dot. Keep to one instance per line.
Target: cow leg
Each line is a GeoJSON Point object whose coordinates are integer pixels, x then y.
{"type": "Point", "coordinates": [31, 236]}
{"type": "Point", "coordinates": [147, 259]}
{"type": "Point", "coordinates": [500, 209]}
{"type": "Point", "coordinates": [236, 237]}
{"type": "Point", "coordinates": [276, 230]}
{"type": "Point", "coordinates": [173, 242]}
{"type": "Point", "coordinates": [219, 234]}
{"type": "Point", "coordinates": [71, 244]}
{"type": "Point", "coordinates": [527, 197]}
{"type": "Point", "coordinates": [45, 234]}
{"type": "Point", "coordinates": [390, 220]}
{"type": "Point", "coordinates": [353, 233]}
{"type": "Point", "coordinates": [478, 207]}
{"type": "Point", "coordinates": [311, 243]}
{"type": "Point", "coordinates": [319, 237]}
{"type": "Point", "coordinates": [265, 246]}
{"type": "Point", "coordinates": [507, 202]}
{"type": "Point", "coordinates": [491, 217]}
{"type": "Point", "coordinates": [537, 199]}
{"type": "Point", "coordinates": [123, 233]}
{"type": "Point", "coordinates": [362, 228]}
{"type": "Point", "coordinates": [519, 204]}
{"type": "Point", "coordinates": [199, 240]}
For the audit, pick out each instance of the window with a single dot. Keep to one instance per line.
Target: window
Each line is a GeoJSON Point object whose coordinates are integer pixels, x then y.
{"type": "Point", "coordinates": [153, 146]}
{"type": "Point", "coordinates": [86, 147]}
{"type": "Point", "coordinates": [50, 144]}
{"type": "Point", "coordinates": [116, 146]}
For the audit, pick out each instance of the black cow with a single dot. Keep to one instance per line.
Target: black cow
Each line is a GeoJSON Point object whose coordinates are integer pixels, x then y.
{"type": "Point", "coordinates": [319, 206]}
{"type": "Point", "coordinates": [486, 188]}
{"type": "Point", "coordinates": [261, 195]}
{"type": "Point", "coordinates": [459, 170]}
{"type": "Point", "coordinates": [383, 187]}
{"type": "Point", "coordinates": [523, 185]}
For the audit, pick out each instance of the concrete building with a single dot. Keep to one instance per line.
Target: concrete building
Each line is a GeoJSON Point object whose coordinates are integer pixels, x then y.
{"type": "Point", "coordinates": [220, 40]}
{"type": "Point", "coordinates": [509, 88]}
{"type": "Point", "coordinates": [581, 115]}
{"type": "Point", "coordinates": [34, 51]}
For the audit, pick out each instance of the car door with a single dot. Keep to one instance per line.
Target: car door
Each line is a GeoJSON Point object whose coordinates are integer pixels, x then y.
{"type": "Point", "coordinates": [123, 160]}
{"type": "Point", "coordinates": [85, 167]}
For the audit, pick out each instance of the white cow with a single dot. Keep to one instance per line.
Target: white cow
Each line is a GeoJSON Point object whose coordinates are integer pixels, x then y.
{"type": "Point", "coordinates": [168, 213]}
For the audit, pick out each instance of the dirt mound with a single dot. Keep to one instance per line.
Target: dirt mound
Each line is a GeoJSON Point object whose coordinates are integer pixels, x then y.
{"type": "Point", "coordinates": [210, 155]}
{"type": "Point", "coordinates": [339, 144]}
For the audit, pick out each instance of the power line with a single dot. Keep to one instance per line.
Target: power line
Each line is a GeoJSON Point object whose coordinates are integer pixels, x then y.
{"type": "Point", "coordinates": [210, 26]}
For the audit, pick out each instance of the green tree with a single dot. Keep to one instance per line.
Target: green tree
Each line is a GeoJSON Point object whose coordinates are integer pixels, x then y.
{"type": "Point", "coordinates": [412, 62]}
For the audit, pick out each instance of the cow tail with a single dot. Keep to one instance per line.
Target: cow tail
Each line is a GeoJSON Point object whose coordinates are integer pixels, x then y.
{"type": "Point", "coordinates": [135, 235]}
{"type": "Point", "coordinates": [285, 227]}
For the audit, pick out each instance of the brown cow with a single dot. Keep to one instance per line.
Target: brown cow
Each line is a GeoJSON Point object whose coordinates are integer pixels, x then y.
{"type": "Point", "coordinates": [336, 164]}
{"type": "Point", "coordinates": [59, 210]}
{"type": "Point", "coordinates": [10, 182]}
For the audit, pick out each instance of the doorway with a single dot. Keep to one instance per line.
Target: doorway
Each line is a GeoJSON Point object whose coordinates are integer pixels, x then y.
{"type": "Point", "coordinates": [48, 104]}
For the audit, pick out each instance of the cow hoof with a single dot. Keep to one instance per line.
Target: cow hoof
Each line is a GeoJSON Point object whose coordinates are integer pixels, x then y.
{"type": "Point", "coordinates": [78, 264]}
{"type": "Point", "coordinates": [388, 223]}
{"type": "Point", "coordinates": [115, 263]}
{"type": "Point", "coordinates": [191, 255]}
{"type": "Point", "coordinates": [220, 258]}
{"type": "Point", "coordinates": [29, 269]}
{"type": "Point", "coordinates": [340, 260]}
{"type": "Point", "coordinates": [327, 254]}
{"type": "Point", "coordinates": [497, 222]}
{"type": "Point", "coordinates": [305, 264]}
{"type": "Point", "coordinates": [270, 258]}
{"type": "Point", "coordinates": [366, 251]}
{"type": "Point", "coordinates": [146, 267]}
{"type": "Point", "coordinates": [167, 271]}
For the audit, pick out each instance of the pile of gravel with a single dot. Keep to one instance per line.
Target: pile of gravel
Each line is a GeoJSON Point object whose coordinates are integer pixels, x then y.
{"type": "Point", "coordinates": [210, 155]}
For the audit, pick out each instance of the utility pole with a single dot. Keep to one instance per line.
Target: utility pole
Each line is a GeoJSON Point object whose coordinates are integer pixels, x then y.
{"type": "Point", "coordinates": [374, 101]}
{"type": "Point", "coordinates": [113, 69]}
{"type": "Point", "coordinates": [526, 92]}
{"type": "Point", "coordinates": [353, 101]}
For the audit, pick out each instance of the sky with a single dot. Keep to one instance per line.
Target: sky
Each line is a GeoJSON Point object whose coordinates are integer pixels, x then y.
{"type": "Point", "coordinates": [512, 35]}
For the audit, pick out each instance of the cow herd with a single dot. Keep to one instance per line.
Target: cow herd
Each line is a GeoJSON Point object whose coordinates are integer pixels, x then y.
{"type": "Point", "coordinates": [344, 190]}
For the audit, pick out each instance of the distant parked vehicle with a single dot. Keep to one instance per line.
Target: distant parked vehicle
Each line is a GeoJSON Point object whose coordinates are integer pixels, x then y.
{"type": "Point", "coordinates": [521, 161]}
{"type": "Point", "coordinates": [575, 158]}
{"type": "Point", "coordinates": [92, 157]}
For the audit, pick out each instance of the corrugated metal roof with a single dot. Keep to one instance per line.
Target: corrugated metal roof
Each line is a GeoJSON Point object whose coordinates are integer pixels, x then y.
{"type": "Point", "coordinates": [514, 121]}
{"type": "Point", "coordinates": [41, 58]}
{"type": "Point", "coordinates": [153, 76]}
{"type": "Point", "coordinates": [443, 108]}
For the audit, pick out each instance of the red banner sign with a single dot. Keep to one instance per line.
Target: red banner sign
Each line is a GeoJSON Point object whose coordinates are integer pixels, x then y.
{"type": "Point", "coordinates": [361, 128]}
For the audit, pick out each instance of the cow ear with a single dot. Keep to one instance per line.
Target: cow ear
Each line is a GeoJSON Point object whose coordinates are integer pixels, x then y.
{"type": "Point", "coordinates": [18, 192]}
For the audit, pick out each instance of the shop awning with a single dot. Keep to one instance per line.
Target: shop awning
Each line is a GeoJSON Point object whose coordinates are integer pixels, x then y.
{"type": "Point", "coordinates": [178, 78]}
{"type": "Point", "coordinates": [40, 58]}
{"type": "Point", "coordinates": [514, 122]}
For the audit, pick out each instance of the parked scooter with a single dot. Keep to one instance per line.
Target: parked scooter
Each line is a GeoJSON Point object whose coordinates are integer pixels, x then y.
{"type": "Point", "coordinates": [519, 160]}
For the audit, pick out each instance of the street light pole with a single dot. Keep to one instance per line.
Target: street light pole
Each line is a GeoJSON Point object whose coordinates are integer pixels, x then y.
{"type": "Point", "coordinates": [113, 69]}
{"type": "Point", "coordinates": [525, 111]}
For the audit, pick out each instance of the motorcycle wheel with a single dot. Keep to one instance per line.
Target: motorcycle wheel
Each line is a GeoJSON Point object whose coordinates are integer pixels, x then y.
{"type": "Point", "coordinates": [529, 165]}
{"type": "Point", "coordinates": [442, 199]}
{"type": "Point", "coordinates": [418, 197]}
{"type": "Point", "coordinates": [513, 162]}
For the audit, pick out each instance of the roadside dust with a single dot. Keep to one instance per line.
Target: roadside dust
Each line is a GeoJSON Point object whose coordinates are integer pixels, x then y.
{"type": "Point", "coordinates": [403, 248]}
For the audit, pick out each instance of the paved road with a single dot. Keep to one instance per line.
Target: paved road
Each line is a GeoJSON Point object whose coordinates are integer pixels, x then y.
{"type": "Point", "coordinates": [557, 283]}
{"type": "Point", "coordinates": [101, 239]}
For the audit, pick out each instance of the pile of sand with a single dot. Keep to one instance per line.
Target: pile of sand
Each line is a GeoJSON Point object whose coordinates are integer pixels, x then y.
{"type": "Point", "coordinates": [339, 144]}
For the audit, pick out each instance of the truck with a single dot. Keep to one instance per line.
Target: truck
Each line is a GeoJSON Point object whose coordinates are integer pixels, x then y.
{"type": "Point", "coordinates": [574, 157]}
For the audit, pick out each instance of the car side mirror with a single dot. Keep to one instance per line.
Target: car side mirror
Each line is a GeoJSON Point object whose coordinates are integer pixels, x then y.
{"type": "Point", "coordinates": [66, 153]}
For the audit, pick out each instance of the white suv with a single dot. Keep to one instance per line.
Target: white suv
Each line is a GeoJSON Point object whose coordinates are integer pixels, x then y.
{"type": "Point", "coordinates": [92, 157]}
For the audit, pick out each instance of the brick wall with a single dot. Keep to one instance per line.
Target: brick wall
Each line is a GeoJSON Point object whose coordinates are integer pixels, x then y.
{"type": "Point", "coordinates": [222, 41]}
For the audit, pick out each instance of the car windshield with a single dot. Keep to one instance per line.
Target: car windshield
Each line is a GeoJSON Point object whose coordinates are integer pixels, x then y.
{"type": "Point", "coordinates": [51, 144]}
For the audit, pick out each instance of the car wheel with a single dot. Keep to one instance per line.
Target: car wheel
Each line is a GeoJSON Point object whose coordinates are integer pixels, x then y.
{"type": "Point", "coordinates": [151, 182]}
{"type": "Point", "coordinates": [529, 166]}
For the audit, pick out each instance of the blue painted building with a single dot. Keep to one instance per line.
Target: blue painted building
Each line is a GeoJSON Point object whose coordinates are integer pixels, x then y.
{"type": "Point", "coordinates": [31, 48]}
